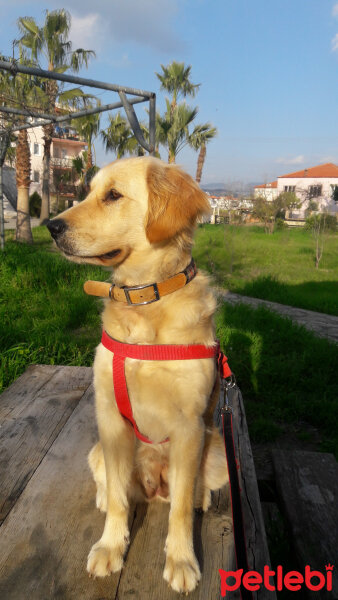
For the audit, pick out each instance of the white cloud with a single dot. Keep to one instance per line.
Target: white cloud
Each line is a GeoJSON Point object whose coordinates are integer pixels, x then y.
{"type": "Point", "coordinates": [296, 160]}
{"type": "Point", "coordinates": [146, 22]}
{"type": "Point", "coordinates": [334, 43]}
{"type": "Point", "coordinates": [85, 31]}
{"type": "Point", "coordinates": [335, 10]}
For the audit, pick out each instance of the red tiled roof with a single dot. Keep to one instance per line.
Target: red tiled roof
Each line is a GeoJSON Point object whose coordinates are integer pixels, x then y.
{"type": "Point", "coordinates": [327, 170]}
{"type": "Point", "coordinates": [273, 184]}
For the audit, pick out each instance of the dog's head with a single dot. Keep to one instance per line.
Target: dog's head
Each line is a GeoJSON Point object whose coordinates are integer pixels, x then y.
{"type": "Point", "coordinates": [133, 203]}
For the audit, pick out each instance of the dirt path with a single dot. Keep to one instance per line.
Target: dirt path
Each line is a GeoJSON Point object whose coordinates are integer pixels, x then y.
{"type": "Point", "coordinates": [321, 324]}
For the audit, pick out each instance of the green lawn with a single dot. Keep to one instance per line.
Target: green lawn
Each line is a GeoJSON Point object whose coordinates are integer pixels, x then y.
{"type": "Point", "coordinates": [278, 267]}
{"type": "Point", "coordinates": [287, 375]}
{"type": "Point", "coordinates": [45, 317]}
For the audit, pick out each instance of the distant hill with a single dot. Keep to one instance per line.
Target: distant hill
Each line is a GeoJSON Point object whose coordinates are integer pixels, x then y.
{"type": "Point", "coordinates": [233, 188]}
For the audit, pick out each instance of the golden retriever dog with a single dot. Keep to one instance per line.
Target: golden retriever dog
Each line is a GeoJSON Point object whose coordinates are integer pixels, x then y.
{"type": "Point", "coordinates": [139, 218]}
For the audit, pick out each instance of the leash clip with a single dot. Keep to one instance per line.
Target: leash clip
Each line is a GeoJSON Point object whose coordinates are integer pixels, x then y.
{"type": "Point", "coordinates": [227, 383]}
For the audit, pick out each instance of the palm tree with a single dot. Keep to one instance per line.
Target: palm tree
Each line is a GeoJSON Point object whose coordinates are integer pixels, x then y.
{"type": "Point", "coordinates": [88, 128]}
{"type": "Point", "coordinates": [19, 91]}
{"type": "Point", "coordinates": [198, 140]}
{"type": "Point", "coordinates": [51, 42]}
{"type": "Point", "coordinates": [175, 79]}
{"type": "Point", "coordinates": [172, 129]}
{"type": "Point", "coordinates": [119, 137]}
{"type": "Point", "coordinates": [23, 179]}
{"type": "Point", "coordinates": [84, 175]}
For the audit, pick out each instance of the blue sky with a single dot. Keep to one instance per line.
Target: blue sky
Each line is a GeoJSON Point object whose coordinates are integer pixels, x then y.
{"type": "Point", "coordinates": [268, 72]}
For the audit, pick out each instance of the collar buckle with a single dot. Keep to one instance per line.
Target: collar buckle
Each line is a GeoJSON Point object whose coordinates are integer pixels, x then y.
{"type": "Point", "coordinates": [127, 291]}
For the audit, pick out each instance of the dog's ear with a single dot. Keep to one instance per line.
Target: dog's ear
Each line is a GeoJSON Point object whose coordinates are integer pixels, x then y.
{"type": "Point", "coordinates": [175, 202]}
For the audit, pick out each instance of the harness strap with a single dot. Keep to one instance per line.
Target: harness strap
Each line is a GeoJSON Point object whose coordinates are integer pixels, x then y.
{"type": "Point", "coordinates": [122, 351]}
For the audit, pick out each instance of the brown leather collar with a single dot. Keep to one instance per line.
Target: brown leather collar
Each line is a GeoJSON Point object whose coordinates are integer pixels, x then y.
{"type": "Point", "coordinates": [141, 294]}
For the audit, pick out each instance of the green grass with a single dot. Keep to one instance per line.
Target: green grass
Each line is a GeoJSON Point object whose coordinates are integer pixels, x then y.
{"type": "Point", "coordinates": [44, 315]}
{"type": "Point", "coordinates": [278, 267]}
{"type": "Point", "coordinates": [287, 375]}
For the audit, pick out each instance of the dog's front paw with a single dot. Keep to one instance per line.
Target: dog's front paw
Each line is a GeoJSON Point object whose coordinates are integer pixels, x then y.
{"type": "Point", "coordinates": [182, 575]}
{"type": "Point", "coordinates": [104, 560]}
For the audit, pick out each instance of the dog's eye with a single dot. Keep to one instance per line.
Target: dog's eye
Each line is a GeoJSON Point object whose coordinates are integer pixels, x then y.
{"type": "Point", "coordinates": [113, 195]}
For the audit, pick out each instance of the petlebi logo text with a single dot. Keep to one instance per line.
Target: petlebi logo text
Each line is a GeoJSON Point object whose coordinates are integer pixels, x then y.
{"type": "Point", "coordinates": [276, 580]}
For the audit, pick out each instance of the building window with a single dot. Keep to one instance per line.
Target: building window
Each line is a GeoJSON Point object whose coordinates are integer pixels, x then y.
{"type": "Point", "coordinates": [315, 191]}
{"type": "Point", "coordinates": [63, 153]}
{"type": "Point", "coordinates": [334, 189]}
{"type": "Point", "coordinates": [290, 188]}
{"type": "Point", "coordinates": [36, 176]}
{"type": "Point", "coordinates": [35, 148]}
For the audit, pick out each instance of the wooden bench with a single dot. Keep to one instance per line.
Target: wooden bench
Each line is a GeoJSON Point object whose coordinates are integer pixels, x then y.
{"type": "Point", "coordinates": [47, 502]}
{"type": "Point", "coordinates": [307, 485]}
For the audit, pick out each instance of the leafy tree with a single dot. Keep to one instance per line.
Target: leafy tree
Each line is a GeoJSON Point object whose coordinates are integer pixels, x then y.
{"type": "Point", "coordinates": [84, 175]}
{"type": "Point", "coordinates": [175, 79]}
{"type": "Point", "coordinates": [313, 206]}
{"type": "Point", "coordinates": [88, 128]}
{"type": "Point", "coordinates": [34, 204]}
{"type": "Point", "coordinates": [51, 43]}
{"type": "Point", "coordinates": [173, 128]}
{"type": "Point", "coordinates": [198, 140]}
{"type": "Point", "coordinates": [268, 211]}
{"type": "Point", "coordinates": [119, 137]}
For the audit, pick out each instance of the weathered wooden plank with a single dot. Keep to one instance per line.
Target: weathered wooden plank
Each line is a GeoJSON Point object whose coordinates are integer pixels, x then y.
{"type": "Point", "coordinates": [213, 541]}
{"type": "Point", "coordinates": [307, 484]}
{"type": "Point", "coordinates": [45, 539]}
{"type": "Point", "coordinates": [257, 546]}
{"type": "Point", "coordinates": [25, 440]}
{"type": "Point", "coordinates": [23, 390]}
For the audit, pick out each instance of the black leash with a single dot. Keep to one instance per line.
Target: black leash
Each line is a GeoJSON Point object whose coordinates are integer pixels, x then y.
{"type": "Point", "coordinates": [235, 492]}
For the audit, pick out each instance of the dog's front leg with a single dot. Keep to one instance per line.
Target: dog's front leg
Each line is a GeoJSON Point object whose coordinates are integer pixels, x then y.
{"type": "Point", "coordinates": [117, 438]}
{"type": "Point", "coordinates": [181, 569]}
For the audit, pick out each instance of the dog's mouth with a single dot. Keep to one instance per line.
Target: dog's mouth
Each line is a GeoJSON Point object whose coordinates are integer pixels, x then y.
{"type": "Point", "coordinates": [106, 256]}
{"type": "Point", "coordinates": [113, 258]}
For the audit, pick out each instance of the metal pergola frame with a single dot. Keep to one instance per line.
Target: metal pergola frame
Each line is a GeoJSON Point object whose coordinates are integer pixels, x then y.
{"type": "Point", "coordinates": [128, 97]}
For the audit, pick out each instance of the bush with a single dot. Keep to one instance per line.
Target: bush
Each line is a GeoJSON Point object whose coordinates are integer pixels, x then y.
{"type": "Point", "coordinates": [35, 204]}
{"type": "Point", "coordinates": [326, 222]}
{"type": "Point", "coordinates": [280, 224]}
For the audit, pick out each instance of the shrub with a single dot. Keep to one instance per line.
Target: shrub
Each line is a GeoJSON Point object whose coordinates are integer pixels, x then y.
{"type": "Point", "coordinates": [324, 221]}
{"type": "Point", "coordinates": [35, 204]}
{"type": "Point", "coordinates": [280, 224]}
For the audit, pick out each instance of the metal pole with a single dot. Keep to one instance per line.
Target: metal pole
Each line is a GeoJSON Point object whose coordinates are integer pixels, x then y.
{"type": "Point", "coordinates": [2, 218]}
{"type": "Point", "coordinates": [132, 118]}
{"type": "Point", "coordinates": [63, 118]}
{"type": "Point", "coordinates": [4, 142]}
{"type": "Point", "coordinates": [152, 124]}
{"type": "Point", "coordinates": [16, 68]}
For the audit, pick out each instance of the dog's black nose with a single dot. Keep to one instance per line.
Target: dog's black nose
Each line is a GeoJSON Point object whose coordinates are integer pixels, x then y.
{"type": "Point", "coordinates": [56, 227]}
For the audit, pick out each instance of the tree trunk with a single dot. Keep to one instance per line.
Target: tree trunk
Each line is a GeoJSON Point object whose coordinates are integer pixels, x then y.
{"type": "Point", "coordinates": [200, 162]}
{"type": "Point", "coordinates": [45, 204]}
{"type": "Point", "coordinates": [51, 90]}
{"type": "Point", "coordinates": [23, 169]}
{"type": "Point", "coordinates": [171, 156]}
{"type": "Point", "coordinates": [89, 157]}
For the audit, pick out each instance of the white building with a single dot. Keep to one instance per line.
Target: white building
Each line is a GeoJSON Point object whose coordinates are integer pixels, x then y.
{"type": "Point", "coordinates": [315, 185]}
{"type": "Point", "coordinates": [66, 145]}
{"type": "Point", "coordinates": [268, 191]}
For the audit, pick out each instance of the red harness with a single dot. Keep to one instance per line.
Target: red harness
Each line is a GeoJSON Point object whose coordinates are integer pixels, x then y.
{"type": "Point", "coordinates": [153, 352]}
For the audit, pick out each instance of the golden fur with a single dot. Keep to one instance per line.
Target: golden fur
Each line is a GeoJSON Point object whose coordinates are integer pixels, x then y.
{"type": "Point", "coordinates": [146, 236]}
